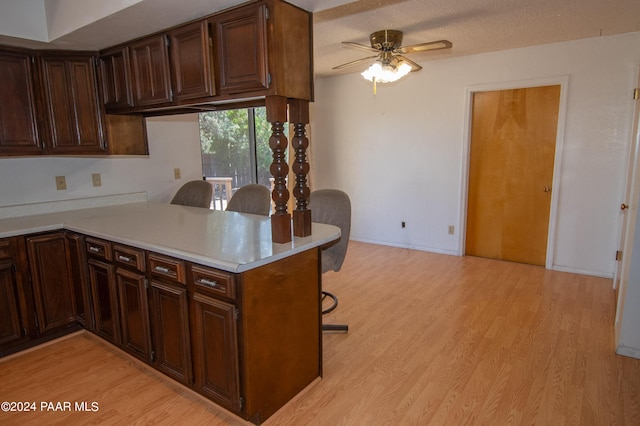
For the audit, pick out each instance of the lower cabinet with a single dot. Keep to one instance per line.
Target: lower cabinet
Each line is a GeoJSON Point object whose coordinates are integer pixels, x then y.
{"type": "Point", "coordinates": [14, 327]}
{"type": "Point", "coordinates": [215, 350]}
{"type": "Point", "coordinates": [134, 313]}
{"type": "Point", "coordinates": [77, 264]}
{"type": "Point", "coordinates": [171, 339]}
{"type": "Point", "coordinates": [247, 341]}
{"type": "Point", "coordinates": [104, 300]}
{"type": "Point", "coordinates": [51, 282]}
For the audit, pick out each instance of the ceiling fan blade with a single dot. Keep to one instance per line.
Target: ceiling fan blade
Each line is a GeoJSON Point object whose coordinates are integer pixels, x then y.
{"type": "Point", "coordinates": [422, 47]}
{"type": "Point", "coordinates": [348, 64]}
{"type": "Point", "coordinates": [414, 66]}
{"type": "Point", "coordinates": [360, 46]}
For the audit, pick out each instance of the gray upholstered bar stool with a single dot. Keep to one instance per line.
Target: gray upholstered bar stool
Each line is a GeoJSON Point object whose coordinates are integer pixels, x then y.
{"type": "Point", "coordinates": [252, 198]}
{"type": "Point", "coordinates": [195, 193]}
{"type": "Point", "coordinates": [333, 207]}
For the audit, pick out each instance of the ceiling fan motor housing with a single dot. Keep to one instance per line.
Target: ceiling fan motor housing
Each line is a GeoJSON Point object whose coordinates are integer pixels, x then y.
{"type": "Point", "coordinates": [386, 40]}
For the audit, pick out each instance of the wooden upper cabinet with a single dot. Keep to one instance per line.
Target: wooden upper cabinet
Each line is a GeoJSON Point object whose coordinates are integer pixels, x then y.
{"type": "Point", "coordinates": [258, 49]}
{"type": "Point", "coordinates": [192, 61]}
{"type": "Point", "coordinates": [265, 47]}
{"type": "Point", "coordinates": [150, 71]}
{"type": "Point", "coordinates": [74, 114]}
{"type": "Point", "coordinates": [115, 79]}
{"type": "Point", "coordinates": [18, 128]}
{"type": "Point", "coordinates": [241, 48]}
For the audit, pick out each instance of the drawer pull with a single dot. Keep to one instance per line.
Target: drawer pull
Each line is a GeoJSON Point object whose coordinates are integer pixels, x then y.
{"type": "Point", "coordinates": [162, 269]}
{"type": "Point", "coordinates": [124, 258]}
{"type": "Point", "coordinates": [207, 282]}
{"type": "Point", "coordinates": [94, 249]}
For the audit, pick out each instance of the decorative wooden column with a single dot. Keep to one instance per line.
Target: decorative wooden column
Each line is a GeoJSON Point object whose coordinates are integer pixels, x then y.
{"type": "Point", "coordinates": [299, 117]}
{"type": "Point", "coordinates": [280, 219]}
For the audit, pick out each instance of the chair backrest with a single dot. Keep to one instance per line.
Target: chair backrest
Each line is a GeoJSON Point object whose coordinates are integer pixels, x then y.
{"type": "Point", "coordinates": [196, 193]}
{"type": "Point", "coordinates": [252, 198]}
{"type": "Point", "coordinates": [333, 207]}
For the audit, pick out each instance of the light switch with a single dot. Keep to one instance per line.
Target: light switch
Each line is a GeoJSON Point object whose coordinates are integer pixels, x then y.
{"type": "Point", "coordinates": [176, 173]}
{"type": "Point", "coordinates": [96, 179]}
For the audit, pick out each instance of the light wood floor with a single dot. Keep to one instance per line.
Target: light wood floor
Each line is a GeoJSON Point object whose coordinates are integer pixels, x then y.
{"type": "Point", "coordinates": [433, 339]}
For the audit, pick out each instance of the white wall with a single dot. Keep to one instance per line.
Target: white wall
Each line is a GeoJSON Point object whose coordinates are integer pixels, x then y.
{"type": "Point", "coordinates": [174, 141]}
{"type": "Point", "coordinates": [401, 155]}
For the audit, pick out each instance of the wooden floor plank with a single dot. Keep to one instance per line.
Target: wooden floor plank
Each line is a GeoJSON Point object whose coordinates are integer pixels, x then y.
{"type": "Point", "coordinates": [433, 339]}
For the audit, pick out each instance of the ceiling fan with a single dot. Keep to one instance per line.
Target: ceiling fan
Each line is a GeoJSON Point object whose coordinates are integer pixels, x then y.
{"type": "Point", "coordinates": [389, 55]}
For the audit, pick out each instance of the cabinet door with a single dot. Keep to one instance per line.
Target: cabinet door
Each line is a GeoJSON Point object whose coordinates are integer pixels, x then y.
{"type": "Point", "coordinates": [18, 129]}
{"type": "Point", "coordinates": [77, 262]}
{"type": "Point", "coordinates": [12, 330]}
{"type": "Point", "coordinates": [104, 298]}
{"type": "Point", "coordinates": [241, 49]}
{"type": "Point", "coordinates": [171, 341]}
{"type": "Point", "coordinates": [115, 79]}
{"type": "Point", "coordinates": [191, 58]}
{"type": "Point", "coordinates": [74, 115]}
{"type": "Point", "coordinates": [150, 69]}
{"type": "Point", "coordinates": [134, 313]}
{"type": "Point", "coordinates": [215, 349]}
{"type": "Point", "coordinates": [51, 281]}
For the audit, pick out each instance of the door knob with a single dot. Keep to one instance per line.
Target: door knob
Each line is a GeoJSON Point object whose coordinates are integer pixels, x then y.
{"type": "Point", "coordinates": [546, 189]}
{"type": "Point", "coordinates": [624, 206]}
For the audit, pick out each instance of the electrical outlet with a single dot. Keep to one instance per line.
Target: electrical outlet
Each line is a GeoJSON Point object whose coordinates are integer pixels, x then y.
{"type": "Point", "coordinates": [61, 183]}
{"type": "Point", "coordinates": [451, 229]}
{"type": "Point", "coordinates": [96, 179]}
{"type": "Point", "coordinates": [176, 173]}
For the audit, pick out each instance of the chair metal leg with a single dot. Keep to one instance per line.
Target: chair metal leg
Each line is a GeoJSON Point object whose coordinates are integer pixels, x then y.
{"type": "Point", "coordinates": [335, 327]}
{"type": "Point", "coordinates": [332, 327]}
{"type": "Point", "coordinates": [334, 305]}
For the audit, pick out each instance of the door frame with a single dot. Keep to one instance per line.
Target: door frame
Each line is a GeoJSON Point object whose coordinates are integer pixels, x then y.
{"type": "Point", "coordinates": [563, 82]}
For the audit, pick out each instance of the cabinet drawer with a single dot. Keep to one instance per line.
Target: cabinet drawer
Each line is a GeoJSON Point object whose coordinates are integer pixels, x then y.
{"type": "Point", "coordinates": [167, 267]}
{"type": "Point", "coordinates": [99, 249]}
{"type": "Point", "coordinates": [129, 256]}
{"type": "Point", "coordinates": [213, 281]}
{"type": "Point", "coordinates": [5, 249]}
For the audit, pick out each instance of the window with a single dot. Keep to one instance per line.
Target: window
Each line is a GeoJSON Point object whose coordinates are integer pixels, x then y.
{"type": "Point", "coordinates": [235, 147]}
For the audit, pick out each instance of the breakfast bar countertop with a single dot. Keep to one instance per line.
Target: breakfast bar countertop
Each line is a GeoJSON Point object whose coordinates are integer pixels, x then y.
{"type": "Point", "coordinates": [233, 242]}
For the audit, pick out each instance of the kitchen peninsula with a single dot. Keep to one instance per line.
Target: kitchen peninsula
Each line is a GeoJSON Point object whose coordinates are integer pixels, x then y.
{"type": "Point", "coordinates": [203, 296]}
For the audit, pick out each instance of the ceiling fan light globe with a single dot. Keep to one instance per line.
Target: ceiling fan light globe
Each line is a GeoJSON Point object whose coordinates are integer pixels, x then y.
{"type": "Point", "coordinates": [386, 73]}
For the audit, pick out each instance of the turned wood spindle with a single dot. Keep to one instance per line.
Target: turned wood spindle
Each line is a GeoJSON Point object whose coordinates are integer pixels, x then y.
{"type": "Point", "coordinates": [299, 116]}
{"type": "Point", "coordinates": [280, 219]}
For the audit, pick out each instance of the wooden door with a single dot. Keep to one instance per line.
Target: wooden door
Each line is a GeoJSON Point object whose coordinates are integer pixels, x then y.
{"type": "Point", "coordinates": [171, 340]}
{"type": "Point", "coordinates": [191, 55]}
{"type": "Point", "coordinates": [215, 347]}
{"type": "Point", "coordinates": [150, 69]}
{"type": "Point", "coordinates": [115, 78]}
{"type": "Point", "coordinates": [77, 264]}
{"type": "Point", "coordinates": [513, 138]}
{"type": "Point", "coordinates": [134, 313]}
{"type": "Point", "coordinates": [11, 327]}
{"type": "Point", "coordinates": [71, 94]}
{"type": "Point", "coordinates": [51, 280]}
{"type": "Point", "coordinates": [18, 128]}
{"type": "Point", "coordinates": [104, 298]}
{"type": "Point", "coordinates": [241, 45]}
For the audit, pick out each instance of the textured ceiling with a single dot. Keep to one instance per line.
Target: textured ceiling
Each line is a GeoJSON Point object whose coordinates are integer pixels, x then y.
{"type": "Point", "coordinates": [473, 26]}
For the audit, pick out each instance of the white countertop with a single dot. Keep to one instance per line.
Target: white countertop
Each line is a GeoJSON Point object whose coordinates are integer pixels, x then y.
{"type": "Point", "coordinates": [230, 241]}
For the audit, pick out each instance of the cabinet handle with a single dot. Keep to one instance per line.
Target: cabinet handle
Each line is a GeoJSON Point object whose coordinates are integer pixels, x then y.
{"type": "Point", "coordinates": [207, 282]}
{"type": "Point", "coordinates": [94, 249]}
{"type": "Point", "coordinates": [162, 269]}
{"type": "Point", "coordinates": [124, 258]}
